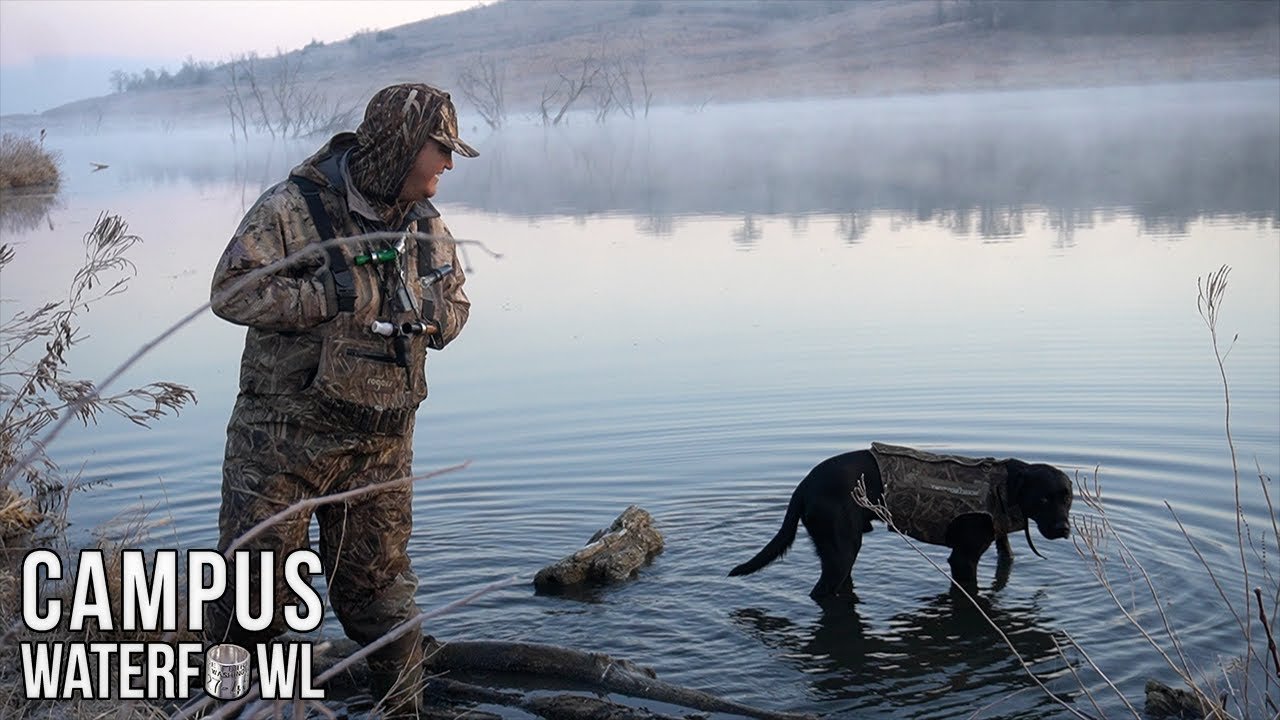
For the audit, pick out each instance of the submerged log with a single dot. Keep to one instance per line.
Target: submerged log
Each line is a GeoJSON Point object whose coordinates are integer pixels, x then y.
{"type": "Point", "coordinates": [611, 555]}
{"type": "Point", "coordinates": [448, 698]}
{"type": "Point", "coordinates": [568, 673]}
{"type": "Point", "coordinates": [578, 707]}
{"type": "Point", "coordinates": [561, 706]}
{"type": "Point", "coordinates": [589, 669]}
{"type": "Point", "coordinates": [1169, 703]}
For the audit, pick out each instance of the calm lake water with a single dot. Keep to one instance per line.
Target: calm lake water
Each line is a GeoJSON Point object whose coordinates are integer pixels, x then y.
{"type": "Point", "coordinates": [689, 313]}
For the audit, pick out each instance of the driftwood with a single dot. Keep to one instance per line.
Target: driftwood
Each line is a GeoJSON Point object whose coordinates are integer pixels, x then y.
{"type": "Point", "coordinates": [611, 555]}
{"type": "Point", "coordinates": [1169, 703]}
{"type": "Point", "coordinates": [590, 669]}
{"type": "Point", "coordinates": [545, 667]}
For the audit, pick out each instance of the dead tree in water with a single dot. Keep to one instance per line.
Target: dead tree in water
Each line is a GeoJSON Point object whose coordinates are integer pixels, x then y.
{"type": "Point", "coordinates": [640, 60]}
{"type": "Point", "coordinates": [272, 95]}
{"type": "Point", "coordinates": [481, 83]}
{"type": "Point", "coordinates": [569, 88]}
{"type": "Point", "coordinates": [604, 77]}
{"type": "Point", "coordinates": [234, 100]}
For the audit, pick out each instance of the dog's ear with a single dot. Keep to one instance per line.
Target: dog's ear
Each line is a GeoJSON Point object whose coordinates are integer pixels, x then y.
{"type": "Point", "coordinates": [1017, 483]}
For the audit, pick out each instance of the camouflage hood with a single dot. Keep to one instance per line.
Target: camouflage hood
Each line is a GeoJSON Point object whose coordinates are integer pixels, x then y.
{"type": "Point", "coordinates": [398, 122]}
{"type": "Point", "coordinates": [924, 492]}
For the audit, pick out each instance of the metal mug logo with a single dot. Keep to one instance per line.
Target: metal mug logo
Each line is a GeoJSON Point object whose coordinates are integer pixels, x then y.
{"type": "Point", "coordinates": [226, 671]}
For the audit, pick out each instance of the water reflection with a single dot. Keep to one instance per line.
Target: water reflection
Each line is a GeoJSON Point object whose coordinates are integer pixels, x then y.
{"type": "Point", "coordinates": [749, 233]}
{"type": "Point", "coordinates": [23, 211]}
{"type": "Point", "coordinates": [972, 164]}
{"type": "Point", "coordinates": [976, 164]}
{"type": "Point", "coordinates": [939, 658]}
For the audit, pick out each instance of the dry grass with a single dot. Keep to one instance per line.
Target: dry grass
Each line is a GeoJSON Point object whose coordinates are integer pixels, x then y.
{"type": "Point", "coordinates": [35, 391]}
{"type": "Point", "coordinates": [25, 163]}
{"type": "Point", "coordinates": [18, 516]}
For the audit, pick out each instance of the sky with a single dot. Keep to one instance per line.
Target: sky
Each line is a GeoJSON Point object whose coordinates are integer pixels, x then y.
{"type": "Point", "coordinates": [56, 51]}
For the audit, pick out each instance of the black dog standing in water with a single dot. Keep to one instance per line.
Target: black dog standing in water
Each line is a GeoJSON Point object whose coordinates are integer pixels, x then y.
{"type": "Point", "coordinates": [963, 503]}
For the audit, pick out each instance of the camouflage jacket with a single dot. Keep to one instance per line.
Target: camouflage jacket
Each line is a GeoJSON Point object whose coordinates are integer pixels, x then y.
{"type": "Point", "coordinates": [924, 492]}
{"type": "Point", "coordinates": [298, 342]}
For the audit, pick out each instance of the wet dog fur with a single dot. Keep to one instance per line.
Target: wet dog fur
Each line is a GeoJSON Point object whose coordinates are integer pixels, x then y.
{"type": "Point", "coordinates": [836, 523]}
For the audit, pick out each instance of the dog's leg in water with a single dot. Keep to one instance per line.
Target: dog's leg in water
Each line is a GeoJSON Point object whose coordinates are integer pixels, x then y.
{"type": "Point", "coordinates": [964, 559]}
{"type": "Point", "coordinates": [848, 556]}
{"type": "Point", "coordinates": [1004, 561]}
{"type": "Point", "coordinates": [964, 568]}
{"type": "Point", "coordinates": [836, 550]}
{"type": "Point", "coordinates": [969, 536]}
{"type": "Point", "coordinates": [835, 578]}
{"type": "Point", "coordinates": [834, 570]}
{"type": "Point", "coordinates": [1003, 548]}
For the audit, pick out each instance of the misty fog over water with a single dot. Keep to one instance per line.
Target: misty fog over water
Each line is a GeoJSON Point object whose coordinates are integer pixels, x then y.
{"type": "Point", "coordinates": [1166, 153]}
{"type": "Point", "coordinates": [690, 312]}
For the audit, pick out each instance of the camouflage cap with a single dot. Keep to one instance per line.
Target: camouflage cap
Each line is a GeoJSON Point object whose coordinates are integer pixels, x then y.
{"type": "Point", "coordinates": [398, 121]}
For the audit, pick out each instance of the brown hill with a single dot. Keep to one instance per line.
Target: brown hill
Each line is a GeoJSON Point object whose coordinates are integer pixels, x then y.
{"type": "Point", "coordinates": [671, 52]}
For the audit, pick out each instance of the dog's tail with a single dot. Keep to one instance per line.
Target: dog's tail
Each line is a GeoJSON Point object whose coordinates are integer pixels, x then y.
{"type": "Point", "coordinates": [777, 547]}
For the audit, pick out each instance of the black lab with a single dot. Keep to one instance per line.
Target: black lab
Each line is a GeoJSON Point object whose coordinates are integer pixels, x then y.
{"type": "Point", "coordinates": [962, 503]}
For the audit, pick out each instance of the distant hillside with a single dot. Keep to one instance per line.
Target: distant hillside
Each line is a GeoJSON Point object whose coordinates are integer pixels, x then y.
{"type": "Point", "coordinates": [605, 57]}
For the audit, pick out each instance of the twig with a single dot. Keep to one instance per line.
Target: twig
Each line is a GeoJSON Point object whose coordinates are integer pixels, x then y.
{"type": "Point", "coordinates": [311, 503]}
{"type": "Point", "coordinates": [1263, 481]}
{"type": "Point", "coordinates": [1182, 670]}
{"type": "Point", "coordinates": [1241, 622]}
{"type": "Point", "coordinates": [1002, 699]}
{"type": "Point", "coordinates": [1087, 693]}
{"type": "Point", "coordinates": [1271, 641]}
{"type": "Point", "coordinates": [1212, 291]}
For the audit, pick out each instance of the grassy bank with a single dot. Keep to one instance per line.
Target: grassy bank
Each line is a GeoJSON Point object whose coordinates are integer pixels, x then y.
{"type": "Point", "coordinates": [25, 162]}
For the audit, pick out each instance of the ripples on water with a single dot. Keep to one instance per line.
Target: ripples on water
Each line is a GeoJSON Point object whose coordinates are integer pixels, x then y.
{"type": "Point", "coordinates": [696, 356]}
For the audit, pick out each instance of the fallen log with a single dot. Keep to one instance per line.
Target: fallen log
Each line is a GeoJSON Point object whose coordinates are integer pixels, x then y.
{"type": "Point", "coordinates": [449, 699]}
{"type": "Point", "coordinates": [590, 669]}
{"type": "Point", "coordinates": [562, 706]}
{"type": "Point", "coordinates": [1169, 703]}
{"type": "Point", "coordinates": [611, 555]}
{"type": "Point", "coordinates": [579, 707]}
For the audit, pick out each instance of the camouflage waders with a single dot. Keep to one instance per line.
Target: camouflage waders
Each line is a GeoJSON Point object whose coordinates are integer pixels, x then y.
{"type": "Point", "coordinates": [925, 492]}
{"type": "Point", "coordinates": [278, 455]}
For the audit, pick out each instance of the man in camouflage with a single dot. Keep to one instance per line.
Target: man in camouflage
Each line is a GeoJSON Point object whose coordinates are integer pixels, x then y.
{"type": "Point", "coordinates": [326, 404]}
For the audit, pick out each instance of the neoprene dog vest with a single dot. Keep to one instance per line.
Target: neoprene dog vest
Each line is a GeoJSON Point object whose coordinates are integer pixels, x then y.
{"type": "Point", "coordinates": [925, 492]}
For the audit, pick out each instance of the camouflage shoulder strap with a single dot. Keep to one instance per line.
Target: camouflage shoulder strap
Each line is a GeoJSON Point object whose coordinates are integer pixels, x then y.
{"type": "Point", "coordinates": [343, 281]}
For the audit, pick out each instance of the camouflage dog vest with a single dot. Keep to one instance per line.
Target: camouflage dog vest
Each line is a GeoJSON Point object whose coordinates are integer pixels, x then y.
{"type": "Point", "coordinates": [925, 492]}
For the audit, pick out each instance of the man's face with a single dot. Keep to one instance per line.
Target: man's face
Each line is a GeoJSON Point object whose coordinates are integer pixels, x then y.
{"type": "Point", "coordinates": [432, 160]}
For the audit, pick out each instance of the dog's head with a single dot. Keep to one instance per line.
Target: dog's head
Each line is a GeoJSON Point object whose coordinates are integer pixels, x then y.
{"type": "Point", "coordinates": [1044, 494]}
